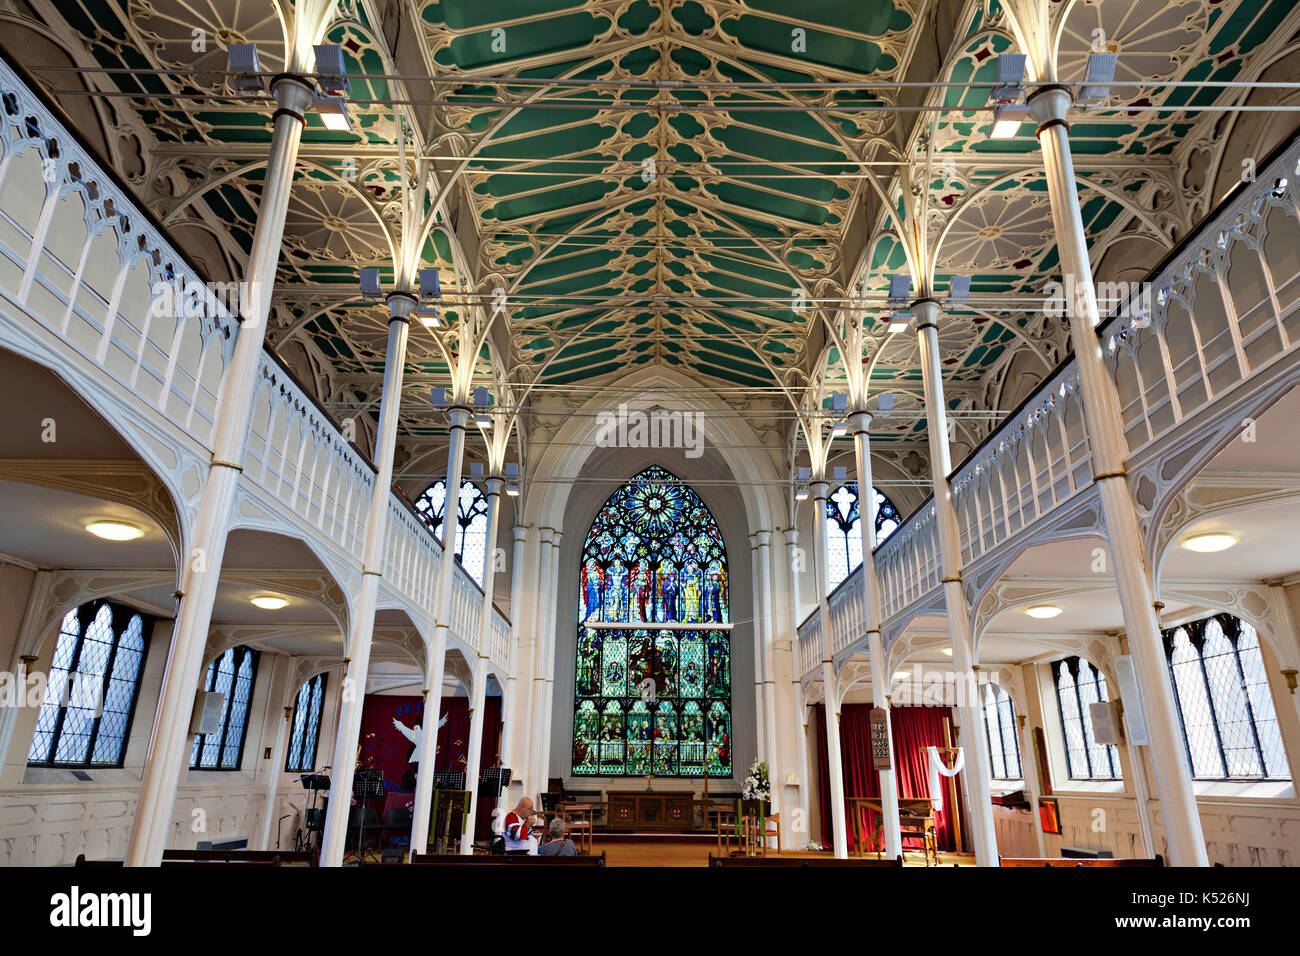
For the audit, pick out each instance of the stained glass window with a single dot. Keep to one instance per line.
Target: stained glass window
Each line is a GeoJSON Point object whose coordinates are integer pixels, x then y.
{"type": "Point", "coordinates": [1079, 684]}
{"type": "Point", "coordinates": [471, 516]}
{"type": "Point", "coordinates": [91, 688]}
{"type": "Point", "coordinates": [653, 700]}
{"type": "Point", "coordinates": [232, 675]}
{"type": "Point", "coordinates": [1000, 729]}
{"type": "Point", "coordinates": [304, 733]}
{"type": "Point", "coordinates": [843, 541]}
{"type": "Point", "coordinates": [1229, 723]}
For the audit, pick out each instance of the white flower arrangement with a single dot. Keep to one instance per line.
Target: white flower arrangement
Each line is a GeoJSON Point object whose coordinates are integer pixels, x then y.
{"type": "Point", "coordinates": [756, 786]}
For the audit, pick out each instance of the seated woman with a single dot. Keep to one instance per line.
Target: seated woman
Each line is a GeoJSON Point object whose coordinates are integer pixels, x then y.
{"type": "Point", "coordinates": [558, 844]}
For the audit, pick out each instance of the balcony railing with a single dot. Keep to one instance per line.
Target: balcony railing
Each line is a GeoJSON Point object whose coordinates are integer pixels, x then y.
{"type": "Point", "coordinates": [1217, 322]}
{"type": "Point", "coordinates": [90, 286]}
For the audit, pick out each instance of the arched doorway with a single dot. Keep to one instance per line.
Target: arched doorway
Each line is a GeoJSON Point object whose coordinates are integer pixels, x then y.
{"type": "Point", "coordinates": [653, 682]}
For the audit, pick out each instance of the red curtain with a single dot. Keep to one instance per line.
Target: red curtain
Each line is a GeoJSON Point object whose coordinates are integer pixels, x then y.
{"type": "Point", "coordinates": [913, 728]}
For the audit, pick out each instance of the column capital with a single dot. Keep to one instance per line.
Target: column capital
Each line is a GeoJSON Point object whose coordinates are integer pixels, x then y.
{"type": "Point", "coordinates": [544, 535]}
{"type": "Point", "coordinates": [820, 488]}
{"type": "Point", "coordinates": [924, 312]}
{"type": "Point", "coordinates": [495, 484]}
{"type": "Point", "coordinates": [521, 532]}
{"type": "Point", "coordinates": [764, 537]}
{"type": "Point", "coordinates": [792, 537]}
{"type": "Point", "coordinates": [1048, 105]}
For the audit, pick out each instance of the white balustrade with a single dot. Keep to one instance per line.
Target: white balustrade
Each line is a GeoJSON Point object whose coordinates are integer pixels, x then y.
{"type": "Point", "coordinates": [89, 287]}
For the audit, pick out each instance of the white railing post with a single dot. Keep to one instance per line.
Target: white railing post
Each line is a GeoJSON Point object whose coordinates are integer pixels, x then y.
{"type": "Point", "coordinates": [362, 626]}
{"type": "Point", "coordinates": [478, 693]}
{"type": "Point", "coordinates": [830, 690]}
{"type": "Point", "coordinates": [925, 312]}
{"type": "Point", "coordinates": [1182, 822]}
{"type": "Point", "coordinates": [860, 422]}
{"type": "Point", "coordinates": [436, 661]}
{"type": "Point", "coordinates": [202, 567]}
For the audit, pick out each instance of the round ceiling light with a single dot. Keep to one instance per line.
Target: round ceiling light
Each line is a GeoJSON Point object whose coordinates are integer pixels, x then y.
{"type": "Point", "coordinates": [1209, 542]}
{"type": "Point", "coordinates": [1043, 611]}
{"type": "Point", "coordinates": [269, 602]}
{"type": "Point", "coordinates": [115, 530]}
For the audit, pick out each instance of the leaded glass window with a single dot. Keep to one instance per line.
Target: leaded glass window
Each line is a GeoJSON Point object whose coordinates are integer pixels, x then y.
{"type": "Point", "coordinates": [471, 517]}
{"type": "Point", "coordinates": [843, 540]}
{"type": "Point", "coordinates": [232, 675]}
{"type": "Point", "coordinates": [1000, 729]}
{"type": "Point", "coordinates": [91, 688]}
{"type": "Point", "coordinates": [1229, 724]}
{"type": "Point", "coordinates": [304, 732]}
{"type": "Point", "coordinates": [653, 699]}
{"type": "Point", "coordinates": [1079, 684]}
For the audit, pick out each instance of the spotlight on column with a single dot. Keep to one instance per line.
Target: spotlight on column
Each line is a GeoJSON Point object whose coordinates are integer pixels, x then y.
{"type": "Point", "coordinates": [1097, 80]}
{"type": "Point", "coordinates": [899, 286]}
{"type": "Point", "coordinates": [959, 289]}
{"type": "Point", "coordinates": [430, 296]}
{"type": "Point", "coordinates": [885, 402]}
{"type": "Point", "coordinates": [839, 405]}
{"type": "Point", "coordinates": [1007, 121]}
{"type": "Point", "coordinates": [840, 474]}
{"type": "Point", "coordinates": [369, 279]}
{"type": "Point", "coordinates": [898, 322]}
{"type": "Point", "coordinates": [243, 63]}
{"type": "Point", "coordinates": [512, 479]}
{"type": "Point", "coordinates": [438, 397]}
{"type": "Point", "coordinates": [476, 470]}
{"type": "Point", "coordinates": [803, 475]}
{"type": "Point", "coordinates": [332, 87]}
{"type": "Point", "coordinates": [482, 402]}
{"type": "Point", "coordinates": [1009, 73]}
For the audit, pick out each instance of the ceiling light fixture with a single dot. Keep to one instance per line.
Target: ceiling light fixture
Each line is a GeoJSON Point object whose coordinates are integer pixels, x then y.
{"type": "Point", "coordinates": [269, 602]}
{"type": "Point", "coordinates": [1043, 611]}
{"type": "Point", "coordinates": [1209, 542]}
{"type": "Point", "coordinates": [115, 530]}
{"type": "Point", "coordinates": [948, 651]}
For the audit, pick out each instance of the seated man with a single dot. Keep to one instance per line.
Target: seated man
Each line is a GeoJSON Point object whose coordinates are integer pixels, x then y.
{"type": "Point", "coordinates": [519, 829]}
{"type": "Point", "coordinates": [559, 844]}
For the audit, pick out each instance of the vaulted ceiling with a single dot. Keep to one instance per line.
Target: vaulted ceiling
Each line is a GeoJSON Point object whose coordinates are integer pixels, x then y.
{"type": "Point", "coordinates": [668, 182]}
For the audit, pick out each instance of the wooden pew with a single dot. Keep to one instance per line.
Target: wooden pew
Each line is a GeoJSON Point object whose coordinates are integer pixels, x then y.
{"type": "Point", "coordinates": [172, 858]}
{"type": "Point", "coordinates": [272, 857]}
{"type": "Point", "coordinates": [800, 862]}
{"type": "Point", "coordinates": [1072, 862]}
{"type": "Point", "coordinates": [452, 860]}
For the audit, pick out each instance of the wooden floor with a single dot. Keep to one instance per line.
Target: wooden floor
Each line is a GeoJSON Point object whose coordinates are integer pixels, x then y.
{"type": "Point", "coordinates": [667, 851]}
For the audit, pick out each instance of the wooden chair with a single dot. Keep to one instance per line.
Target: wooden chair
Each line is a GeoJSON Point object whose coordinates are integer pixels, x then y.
{"type": "Point", "coordinates": [726, 827]}
{"type": "Point", "coordinates": [771, 828]}
{"type": "Point", "coordinates": [1074, 862]}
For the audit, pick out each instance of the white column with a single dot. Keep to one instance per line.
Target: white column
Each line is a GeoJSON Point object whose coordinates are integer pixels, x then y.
{"type": "Point", "coordinates": [1029, 770]}
{"type": "Point", "coordinates": [550, 601]}
{"type": "Point", "coordinates": [763, 604]}
{"type": "Point", "coordinates": [38, 599]}
{"type": "Point", "coordinates": [436, 662]}
{"type": "Point", "coordinates": [536, 782]}
{"type": "Point", "coordinates": [511, 697]}
{"type": "Point", "coordinates": [479, 691]}
{"type": "Point", "coordinates": [925, 312]}
{"type": "Point", "coordinates": [1133, 580]}
{"type": "Point", "coordinates": [362, 626]}
{"type": "Point", "coordinates": [760, 705]}
{"type": "Point", "coordinates": [800, 711]}
{"type": "Point", "coordinates": [169, 740]}
{"type": "Point", "coordinates": [830, 688]}
{"type": "Point", "coordinates": [880, 677]}
{"type": "Point", "coordinates": [279, 726]}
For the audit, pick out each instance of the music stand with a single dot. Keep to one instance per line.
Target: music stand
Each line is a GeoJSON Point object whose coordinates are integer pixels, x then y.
{"type": "Point", "coordinates": [366, 785]}
{"type": "Point", "coordinates": [313, 820]}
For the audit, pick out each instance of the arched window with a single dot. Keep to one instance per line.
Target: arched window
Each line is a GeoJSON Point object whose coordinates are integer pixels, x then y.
{"type": "Point", "coordinates": [232, 675]}
{"type": "Point", "coordinates": [304, 734]}
{"type": "Point", "coordinates": [1079, 684]}
{"type": "Point", "coordinates": [653, 692]}
{"type": "Point", "coordinates": [92, 687]}
{"type": "Point", "coordinates": [843, 542]}
{"type": "Point", "coordinates": [471, 515]}
{"type": "Point", "coordinates": [1229, 724]}
{"type": "Point", "coordinates": [1000, 728]}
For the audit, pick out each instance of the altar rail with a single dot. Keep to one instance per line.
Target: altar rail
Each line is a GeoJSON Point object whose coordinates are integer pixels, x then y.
{"type": "Point", "coordinates": [90, 287]}
{"type": "Point", "coordinates": [1217, 323]}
